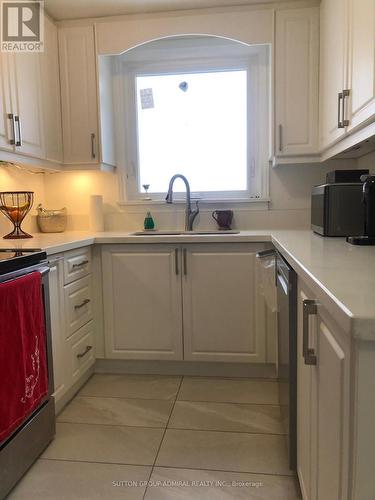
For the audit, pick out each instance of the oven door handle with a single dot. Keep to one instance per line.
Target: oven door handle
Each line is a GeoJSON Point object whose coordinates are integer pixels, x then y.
{"type": "Point", "coordinates": [42, 269]}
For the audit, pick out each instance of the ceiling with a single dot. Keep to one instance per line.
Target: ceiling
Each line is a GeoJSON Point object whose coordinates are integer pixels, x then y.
{"type": "Point", "coordinates": [75, 9]}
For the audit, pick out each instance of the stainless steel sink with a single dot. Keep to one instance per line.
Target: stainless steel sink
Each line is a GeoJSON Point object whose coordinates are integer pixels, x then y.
{"type": "Point", "coordinates": [180, 233]}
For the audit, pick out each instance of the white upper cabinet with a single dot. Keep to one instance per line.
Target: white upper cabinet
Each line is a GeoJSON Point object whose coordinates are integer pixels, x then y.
{"type": "Point", "coordinates": [6, 130]}
{"type": "Point", "coordinates": [27, 103]}
{"type": "Point", "coordinates": [51, 94]}
{"type": "Point", "coordinates": [362, 62]}
{"type": "Point", "coordinates": [347, 69]}
{"type": "Point", "coordinates": [79, 94]}
{"type": "Point", "coordinates": [30, 123]}
{"type": "Point", "coordinates": [21, 127]}
{"type": "Point", "coordinates": [333, 70]}
{"type": "Point", "coordinates": [296, 84]}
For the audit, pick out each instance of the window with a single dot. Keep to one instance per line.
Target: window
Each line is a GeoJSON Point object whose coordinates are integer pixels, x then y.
{"type": "Point", "coordinates": [205, 118]}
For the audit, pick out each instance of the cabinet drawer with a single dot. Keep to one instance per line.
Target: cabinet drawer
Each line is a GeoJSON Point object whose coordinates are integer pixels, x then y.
{"type": "Point", "coordinates": [78, 304]}
{"type": "Point", "coordinates": [77, 264]}
{"type": "Point", "coordinates": [82, 351]}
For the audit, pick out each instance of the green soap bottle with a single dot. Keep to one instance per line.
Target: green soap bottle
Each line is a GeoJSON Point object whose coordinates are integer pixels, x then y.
{"type": "Point", "coordinates": [149, 222]}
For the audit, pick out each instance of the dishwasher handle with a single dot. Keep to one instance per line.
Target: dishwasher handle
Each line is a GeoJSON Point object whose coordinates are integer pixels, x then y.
{"type": "Point", "coordinates": [309, 308]}
{"type": "Point", "coordinates": [266, 253]}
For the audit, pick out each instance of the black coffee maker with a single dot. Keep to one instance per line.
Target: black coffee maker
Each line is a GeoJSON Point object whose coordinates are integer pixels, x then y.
{"type": "Point", "coordinates": [368, 199]}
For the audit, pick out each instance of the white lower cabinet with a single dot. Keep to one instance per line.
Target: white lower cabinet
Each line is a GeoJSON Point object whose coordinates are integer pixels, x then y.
{"type": "Point", "coordinates": [192, 302]}
{"type": "Point", "coordinates": [219, 291]}
{"type": "Point", "coordinates": [323, 402]}
{"type": "Point", "coordinates": [142, 302]}
{"type": "Point", "coordinates": [56, 295]}
{"type": "Point", "coordinates": [71, 314]}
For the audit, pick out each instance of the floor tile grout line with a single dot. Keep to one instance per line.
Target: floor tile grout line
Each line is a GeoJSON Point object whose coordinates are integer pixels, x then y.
{"type": "Point", "coordinates": [58, 421]}
{"type": "Point", "coordinates": [230, 431]}
{"type": "Point", "coordinates": [275, 405]}
{"type": "Point", "coordinates": [131, 398]}
{"type": "Point", "coordinates": [79, 395]}
{"type": "Point", "coordinates": [162, 439]}
{"type": "Point", "coordinates": [226, 402]}
{"type": "Point", "coordinates": [292, 474]}
{"type": "Point", "coordinates": [227, 431]}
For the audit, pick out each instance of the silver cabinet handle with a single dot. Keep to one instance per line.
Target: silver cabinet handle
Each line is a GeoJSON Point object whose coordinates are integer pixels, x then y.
{"type": "Point", "coordinates": [93, 149]}
{"type": "Point", "coordinates": [12, 141]}
{"type": "Point", "coordinates": [345, 121]}
{"type": "Point", "coordinates": [177, 270]}
{"type": "Point", "coordinates": [309, 308]}
{"type": "Point", "coordinates": [339, 99]}
{"type": "Point", "coordinates": [185, 261]}
{"type": "Point", "coordinates": [280, 137]}
{"type": "Point", "coordinates": [80, 264]}
{"type": "Point", "coordinates": [88, 348]}
{"type": "Point", "coordinates": [82, 304]}
{"type": "Point", "coordinates": [18, 123]}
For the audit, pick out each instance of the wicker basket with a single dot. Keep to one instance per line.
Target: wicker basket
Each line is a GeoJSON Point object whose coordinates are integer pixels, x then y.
{"type": "Point", "coordinates": [51, 221]}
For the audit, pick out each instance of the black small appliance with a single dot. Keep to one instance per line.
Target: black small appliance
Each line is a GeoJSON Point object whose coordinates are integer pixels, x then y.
{"type": "Point", "coordinates": [368, 200]}
{"type": "Point", "coordinates": [345, 176]}
{"type": "Point", "coordinates": [337, 209]}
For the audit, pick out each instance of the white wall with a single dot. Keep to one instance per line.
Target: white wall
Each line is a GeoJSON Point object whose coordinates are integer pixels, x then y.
{"type": "Point", "coordinates": [290, 189]}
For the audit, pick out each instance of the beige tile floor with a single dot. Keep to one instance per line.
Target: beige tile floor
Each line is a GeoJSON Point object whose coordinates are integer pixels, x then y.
{"type": "Point", "coordinates": [166, 438]}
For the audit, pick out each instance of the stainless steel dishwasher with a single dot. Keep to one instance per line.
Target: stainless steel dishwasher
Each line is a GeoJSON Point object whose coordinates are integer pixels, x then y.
{"type": "Point", "coordinates": [286, 282]}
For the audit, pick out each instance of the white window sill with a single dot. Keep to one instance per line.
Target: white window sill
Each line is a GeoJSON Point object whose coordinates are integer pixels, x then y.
{"type": "Point", "coordinates": [257, 203]}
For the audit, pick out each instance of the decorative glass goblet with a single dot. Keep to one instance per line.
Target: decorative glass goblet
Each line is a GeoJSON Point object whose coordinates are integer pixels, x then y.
{"type": "Point", "coordinates": [15, 205]}
{"type": "Point", "coordinates": [146, 187]}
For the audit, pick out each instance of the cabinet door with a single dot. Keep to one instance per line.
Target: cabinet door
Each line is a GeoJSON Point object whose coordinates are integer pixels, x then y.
{"type": "Point", "coordinates": [304, 408]}
{"type": "Point", "coordinates": [142, 302]}
{"type": "Point", "coordinates": [56, 295]}
{"type": "Point", "coordinates": [6, 132]}
{"type": "Point", "coordinates": [219, 300]}
{"type": "Point", "coordinates": [362, 87]}
{"type": "Point", "coordinates": [27, 99]}
{"type": "Point", "coordinates": [297, 81]}
{"type": "Point", "coordinates": [332, 430]}
{"type": "Point", "coordinates": [333, 64]}
{"type": "Point", "coordinates": [78, 94]}
{"type": "Point", "coordinates": [51, 94]}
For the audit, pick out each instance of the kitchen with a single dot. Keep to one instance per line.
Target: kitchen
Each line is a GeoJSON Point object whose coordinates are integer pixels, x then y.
{"type": "Point", "coordinates": [162, 155]}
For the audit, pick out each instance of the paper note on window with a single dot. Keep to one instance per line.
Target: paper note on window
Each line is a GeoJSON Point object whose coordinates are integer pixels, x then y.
{"type": "Point", "coordinates": [147, 98]}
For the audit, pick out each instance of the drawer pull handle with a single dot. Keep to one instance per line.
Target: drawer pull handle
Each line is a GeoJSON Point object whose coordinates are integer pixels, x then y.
{"type": "Point", "coordinates": [80, 264]}
{"type": "Point", "coordinates": [11, 117]}
{"type": "Point", "coordinates": [88, 348]}
{"type": "Point", "coordinates": [18, 123]}
{"type": "Point", "coordinates": [84, 303]}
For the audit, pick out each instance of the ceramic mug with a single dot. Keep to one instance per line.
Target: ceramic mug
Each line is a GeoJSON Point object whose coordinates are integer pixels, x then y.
{"type": "Point", "coordinates": [223, 218]}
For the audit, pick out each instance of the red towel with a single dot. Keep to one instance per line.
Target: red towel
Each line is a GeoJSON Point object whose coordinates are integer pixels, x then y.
{"type": "Point", "coordinates": [23, 359]}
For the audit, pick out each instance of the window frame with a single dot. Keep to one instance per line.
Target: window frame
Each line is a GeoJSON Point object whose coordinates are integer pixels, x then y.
{"type": "Point", "coordinates": [256, 63]}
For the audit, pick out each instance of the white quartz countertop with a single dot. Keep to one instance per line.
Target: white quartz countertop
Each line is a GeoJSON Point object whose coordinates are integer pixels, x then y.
{"type": "Point", "coordinates": [340, 274]}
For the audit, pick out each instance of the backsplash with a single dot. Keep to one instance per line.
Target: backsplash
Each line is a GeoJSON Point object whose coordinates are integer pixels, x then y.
{"type": "Point", "coordinates": [290, 189]}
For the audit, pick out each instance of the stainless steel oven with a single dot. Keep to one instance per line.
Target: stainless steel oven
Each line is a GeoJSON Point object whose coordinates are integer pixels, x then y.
{"type": "Point", "coordinates": [26, 443]}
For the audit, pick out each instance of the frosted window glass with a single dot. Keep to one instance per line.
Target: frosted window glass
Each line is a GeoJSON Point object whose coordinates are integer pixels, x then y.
{"type": "Point", "coordinates": [193, 124]}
